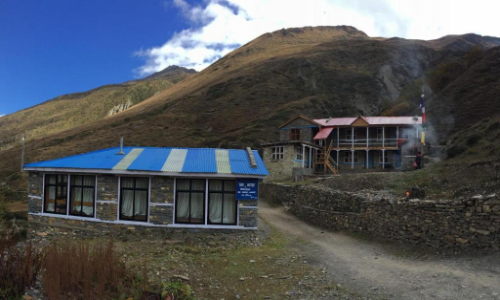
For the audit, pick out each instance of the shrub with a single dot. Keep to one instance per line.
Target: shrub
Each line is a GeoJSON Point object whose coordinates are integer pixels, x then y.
{"type": "Point", "coordinates": [87, 272]}
{"type": "Point", "coordinates": [455, 150]}
{"type": "Point", "coordinates": [19, 267]}
{"type": "Point", "coordinates": [176, 290]}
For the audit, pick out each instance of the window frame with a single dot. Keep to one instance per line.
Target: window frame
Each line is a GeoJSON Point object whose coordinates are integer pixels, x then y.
{"type": "Point", "coordinates": [295, 134]}
{"type": "Point", "coordinates": [190, 191]}
{"type": "Point", "coordinates": [299, 155]}
{"type": "Point", "coordinates": [47, 184]}
{"type": "Point", "coordinates": [120, 216]}
{"type": "Point", "coordinates": [386, 157]}
{"type": "Point", "coordinates": [94, 188]}
{"type": "Point", "coordinates": [277, 153]}
{"type": "Point", "coordinates": [380, 133]}
{"type": "Point", "coordinates": [223, 192]}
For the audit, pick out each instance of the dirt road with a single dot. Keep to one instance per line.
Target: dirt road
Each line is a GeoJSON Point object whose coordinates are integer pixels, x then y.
{"type": "Point", "coordinates": [376, 269]}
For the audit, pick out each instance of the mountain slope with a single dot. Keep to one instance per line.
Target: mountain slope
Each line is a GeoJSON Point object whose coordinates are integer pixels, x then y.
{"type": "Point", "coordinates": [73, 110]}
{"type": "Point", "coordinates": [240, 99]}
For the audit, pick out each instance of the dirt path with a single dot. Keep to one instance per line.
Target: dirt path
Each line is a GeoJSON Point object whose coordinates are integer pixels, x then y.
{"type": "Point", "coordinates": [375, 269]}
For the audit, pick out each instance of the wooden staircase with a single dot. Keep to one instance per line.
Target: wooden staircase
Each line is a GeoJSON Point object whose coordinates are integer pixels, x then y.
{"type": "Point", "coordinates": [325, 162]}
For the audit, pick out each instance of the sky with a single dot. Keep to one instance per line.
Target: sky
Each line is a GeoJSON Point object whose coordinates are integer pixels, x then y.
{"type": "Point", "coordinates": [54, 47]}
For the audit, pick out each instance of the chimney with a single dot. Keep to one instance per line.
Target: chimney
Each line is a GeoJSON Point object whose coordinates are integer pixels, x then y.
{"type": "Point", "coordinates": [121, 147]}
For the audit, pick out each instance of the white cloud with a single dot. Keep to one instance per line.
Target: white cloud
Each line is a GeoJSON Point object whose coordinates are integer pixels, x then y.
{"type": "Point", "coordinates": [2, 115]}
{"type": "Point", "coordinates": [220, 26]}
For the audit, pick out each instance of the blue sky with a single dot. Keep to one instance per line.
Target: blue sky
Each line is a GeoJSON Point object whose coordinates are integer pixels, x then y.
{"type": "Point", "coordinates": [49, 48]}
{"type": "Point", "coordinates": [54, 47]}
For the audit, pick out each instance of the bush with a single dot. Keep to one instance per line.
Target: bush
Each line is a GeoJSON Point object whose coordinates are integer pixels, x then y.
{"type": "Point", "coordinates": [88, 272]}
{"type": "Point", "coordinates": [19, 267]}
{"type": "Point", "coordinates": [176, 290]}
{"type": "Point", "coordinates": [455, 150]}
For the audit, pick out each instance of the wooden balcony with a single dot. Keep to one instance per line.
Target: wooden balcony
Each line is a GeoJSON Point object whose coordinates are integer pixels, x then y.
{"type": "Point", "coordinates": [370, 144]}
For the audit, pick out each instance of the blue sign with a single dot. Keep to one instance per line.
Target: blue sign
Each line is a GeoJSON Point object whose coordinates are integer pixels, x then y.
{"type": "Point", "coordinates": [247, 189]}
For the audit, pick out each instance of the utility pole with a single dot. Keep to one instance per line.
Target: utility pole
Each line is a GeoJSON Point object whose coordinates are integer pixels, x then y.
{"type": "Point", "coordinates": [22, 154]}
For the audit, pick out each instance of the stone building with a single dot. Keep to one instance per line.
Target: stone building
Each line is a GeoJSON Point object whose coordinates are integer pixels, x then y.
{"type": "Point", "coordinates": [148, 187]}
{"type": "Point", "coordinates": [311, 146]}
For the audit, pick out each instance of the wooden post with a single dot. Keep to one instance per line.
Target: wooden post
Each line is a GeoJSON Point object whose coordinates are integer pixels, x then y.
{"type": "Point", "coordinates": [310, 157]}
{"type": "Point", "coordinates": [383, 159]}
{"type": "Point", "coordinates": [383, 137]}
{"type": "Point", "coordinates": [352, 159]}
{"type": "Point", "coordinates": [397, 135]}
{"type": "Point", "coordinates": [352, 137]}
{"type": "Point", "coordinates": [367, 165]}
{"type": "Point", "coordinates": [338, 158]}
{"type": "Point", "coordinates": [303, 155]}
{"type": "Point", "coordinates": [367, 136]}
{"type": "Point", "coordinates": [338, 137]}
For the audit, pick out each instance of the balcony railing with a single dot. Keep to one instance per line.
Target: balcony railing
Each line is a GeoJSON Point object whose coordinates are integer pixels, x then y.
{"type": "Point", "coordinates": [362, 143]}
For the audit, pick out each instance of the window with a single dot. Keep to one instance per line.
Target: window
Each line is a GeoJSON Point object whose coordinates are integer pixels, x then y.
{"type": "Point", "coordinates": [299, 153]}
{"type": "Point", "coordinates": [134, 198]}
{"type": "Point", "coordinates": [348, 157]}
{"type": "Point", "coordinates": [383, 157]}
{"type": "Point", "coordinates": [190, 201]}
{"type": "Point", "coordinates": [351, 134]}
{"type": "Point", "coordinates": [277, 153]}
{"type": "Point", "coordinates": [222, 202]}
{"type": "Point", "coordinates": [82, 196]}
{"type": "Point", "coordinates": [294, 134]}
{"type": "Point", "coordinates": [380, 134]}
{"type": "Point", "coordinates": [56, 193]}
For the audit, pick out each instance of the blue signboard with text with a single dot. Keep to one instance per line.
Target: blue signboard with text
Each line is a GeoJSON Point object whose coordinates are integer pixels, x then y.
{"type": "Point", "coordinates": [247, 189]}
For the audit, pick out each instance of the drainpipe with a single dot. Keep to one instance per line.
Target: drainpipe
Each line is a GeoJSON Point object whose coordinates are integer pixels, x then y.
{"type": "Point", "coordinates": [352, 159]}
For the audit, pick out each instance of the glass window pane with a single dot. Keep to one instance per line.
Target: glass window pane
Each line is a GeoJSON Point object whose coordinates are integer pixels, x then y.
{"type": "Point", "coordinates": [229, 212]}
{"type": "Point", "coordinates": [89, 180]}
{"type": "Point", "coordinates": [229, 186]}
{"type": "Point", "coordinates": [182, 207]}
{"type": "Point", "coordinates": [50, 198]}
{"type": "Point", "coordinates": [141, 202]}
{"type": "Point", "coordinates": [183, 184]}
{"type": "Point", "coordinates": [197, 185]}
{"type": "Point", "coordinates": [197, 210]}
{"type": "Point", "coordinates": [76, 180]}
{"type": "Point", "coordinates": [127, 182]}
{"type": "Point", "coordinates": [88, 202]}
{"type": "Point", "coordinates": [76, 200]}
{"type": "Point", "coordinates": [215, 185]}
{"type": "Point", "coordinates": [141, 183]}
{"type": "Point", "coordinates": [215, 208]}
{"type": "Point", "coordinates": [62, 179]}
{"type": "Point", "coordinates": [127, 205]}
{"type": "Point", "coordinates": [51, 179]}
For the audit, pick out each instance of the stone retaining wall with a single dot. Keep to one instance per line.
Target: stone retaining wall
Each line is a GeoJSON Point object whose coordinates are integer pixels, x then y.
{"type": "Point", "coordinates": [471, 223]}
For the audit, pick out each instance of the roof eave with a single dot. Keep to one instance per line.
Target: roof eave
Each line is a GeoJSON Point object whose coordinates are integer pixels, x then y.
{"type": "Point", "coordinates": [144, 173]}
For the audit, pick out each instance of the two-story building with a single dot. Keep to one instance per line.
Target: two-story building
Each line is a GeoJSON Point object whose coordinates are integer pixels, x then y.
{"type": "Point", "coordinates": [311, 146]}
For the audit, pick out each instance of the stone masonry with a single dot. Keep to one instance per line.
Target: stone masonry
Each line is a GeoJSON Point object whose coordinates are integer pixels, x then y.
{"type": "Point", "coordinates": [161, 214]}
{"type": "Point", "coordinates": [107, 188]}
{"type": "Point", "coordinates": [282, 168]}
{"type": "Point", "coordinates": [162, 190]}
{"type": "Point", "coordinates": [35, 188]}
{"type": "Point", "coordinates": [469, 223]}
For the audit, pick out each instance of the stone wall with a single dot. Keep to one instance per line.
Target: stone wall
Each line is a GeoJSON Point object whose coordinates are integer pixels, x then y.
{"type": "Point", "coordinates": [161, 214]}
{"type": "Point", "coordinates": [35, 184]}
{"type": "Point", "coordinates": [469, 223]}
{"type": "Point", "coordinates": [107, 187]}
{"type": "Point", "coordinates": [282, 168]}
{"type": "Point", "coordinates": [162, 190]}
{"type": "Point", "coordinates": [107, 210]}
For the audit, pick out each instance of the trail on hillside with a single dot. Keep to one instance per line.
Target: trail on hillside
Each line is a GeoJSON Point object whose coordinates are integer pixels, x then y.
{"type": "Point", "coordinates": [372, 268]}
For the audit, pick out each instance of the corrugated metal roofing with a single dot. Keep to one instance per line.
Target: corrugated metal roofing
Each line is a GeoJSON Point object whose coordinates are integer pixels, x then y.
{"type": "Point", "coordinates": [222, 158]}
{"type": "Point", "coordinates": [405, 120]}
{"type": "Point", "coordinates": [323, 133]}
{"type": "Point", "coordinates": [162, 160]}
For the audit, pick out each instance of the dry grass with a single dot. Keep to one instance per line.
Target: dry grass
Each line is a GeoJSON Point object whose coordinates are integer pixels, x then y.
{"type": "Point", "coordinates": [19, 267]}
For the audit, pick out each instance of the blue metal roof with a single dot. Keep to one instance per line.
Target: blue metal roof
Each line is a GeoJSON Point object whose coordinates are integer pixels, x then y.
{"type": "Point", "coordinates": [161, 160]}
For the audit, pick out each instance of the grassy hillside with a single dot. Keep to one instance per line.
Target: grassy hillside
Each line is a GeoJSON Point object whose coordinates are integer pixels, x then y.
{"type": "Point", "coordinates": [73, 110]}
{"type": "Point", "coordinates": [239, 100]}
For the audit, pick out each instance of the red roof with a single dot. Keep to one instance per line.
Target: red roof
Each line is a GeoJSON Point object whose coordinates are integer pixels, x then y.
{"type": "Point", "coordinates": [406, 120]}
{"type": "Point", "coordinates": [323, 133]}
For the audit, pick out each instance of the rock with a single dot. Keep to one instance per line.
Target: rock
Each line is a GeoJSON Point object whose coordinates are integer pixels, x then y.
{"type": "Point", "coordinates": [182, 277]}
{"type": "Point", "coordinates": [252, 261]}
